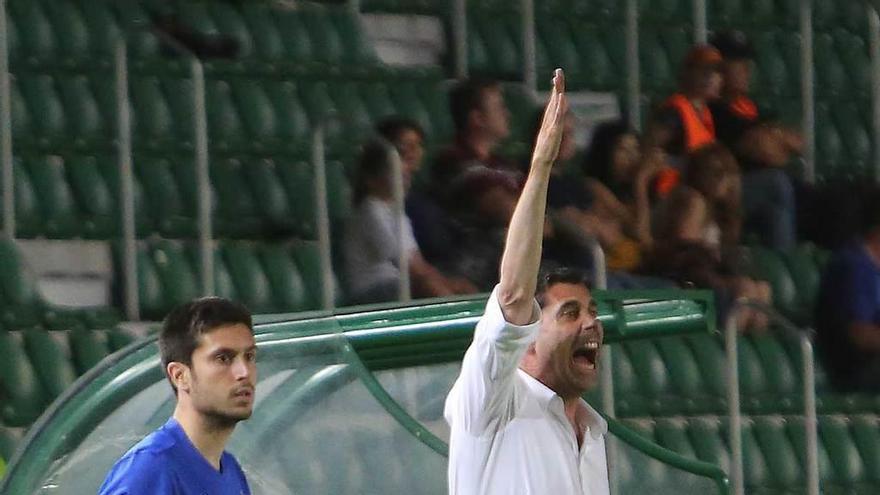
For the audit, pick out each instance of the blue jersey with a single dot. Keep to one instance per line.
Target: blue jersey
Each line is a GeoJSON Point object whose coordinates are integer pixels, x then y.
{"type": "Point", "coordinates": [167, 463]}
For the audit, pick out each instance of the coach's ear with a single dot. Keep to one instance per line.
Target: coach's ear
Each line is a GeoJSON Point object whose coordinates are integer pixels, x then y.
{"type": "Point", "coordinates": [179, 375]}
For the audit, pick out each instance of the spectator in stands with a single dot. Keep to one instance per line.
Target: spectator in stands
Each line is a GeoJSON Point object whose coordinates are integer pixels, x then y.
{"type": "Point", "coordinates": [762, 146]}
{"type": "Point", "coordinates": [373, 239]}
{"type": "Point", "coordinates": [518, 422]}
{"type": "Point", "coordinates": [482, 122]}
{"type": "Point", "coordinates": [209, 357]}
{"type": "Point", "coordinates": [696, 230]}
{"type": "Point", "coordinates": [848, 308]}
{"type": "Point", "coordinates": [618, 178]}
{"type": "Point", "coordinates": [684, 123]}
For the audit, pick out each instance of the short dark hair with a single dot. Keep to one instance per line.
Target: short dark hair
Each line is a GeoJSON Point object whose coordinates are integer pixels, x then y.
{"type": "Point", "coordinates": [468, 96]}
{"type": "Point", "coordinates": [392, 127]}
{"type": "Point", "coordinates": [563, 275]}
{"type": "Point", "coordinates": [186, 323]}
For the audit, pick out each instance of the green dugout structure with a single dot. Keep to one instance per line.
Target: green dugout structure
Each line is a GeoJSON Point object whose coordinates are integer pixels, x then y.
{"type": "Point", "coordinates": [349, 402]}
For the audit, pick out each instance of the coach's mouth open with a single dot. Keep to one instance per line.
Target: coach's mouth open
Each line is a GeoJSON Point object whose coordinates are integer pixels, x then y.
{"type": "Point", "coordinates": [587, 355]}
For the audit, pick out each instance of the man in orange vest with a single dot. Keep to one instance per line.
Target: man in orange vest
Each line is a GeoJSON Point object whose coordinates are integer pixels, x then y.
{"type": "Point", "coordinates": [684, 122]}
{"type": "Point", "coordinates": [762, 146]}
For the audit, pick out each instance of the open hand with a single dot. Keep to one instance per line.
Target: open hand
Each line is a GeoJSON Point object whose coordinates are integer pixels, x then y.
{"type": "Point", "coordinates": [552, 125]}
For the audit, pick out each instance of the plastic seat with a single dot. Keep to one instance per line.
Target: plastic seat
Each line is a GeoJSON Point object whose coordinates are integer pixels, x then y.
{"type": "Point", "coordinates": [175, 273]}
{"type": "Point", "coordinates": [356, 48]}
{"type": "Point", "coordinates": [270, 197]}
{"type": "Point", "coordinates": [150, 290]}
{"type": "Point", "coordinates": [179, 94]}
{"type": "Point", "coordinates": [44, 107]}
{"type": "Point", "coordinates": [298, 181]}
{"type": "Point", "coordinates": [656, 65]}
{"type": "Point", "coordinates": [34, 31]}
{"type": "Point", "coordinates": [103, 28]}
{"type": "Point", "coordinates": [307, 256]}
{"type": "Point", "coordinates": [597, 71]}
{"type": "Point", "coordinates": [166, 201]}
{"type": "Point", "coordinates": [268, 42]}
{"type": "Point", "coordinates": [9, 438]}
{"type": "Point", "coordinates": [111, 173]}
{"type": "Point", "coordinates": [251, 283]}
{"type": "Point", "coordinates": [256, 111]}
{"type": "Point", "coordinates": [229, 21]}
{"type": "Point", "coordinates": [352, 110]}
{"type": "Point", "coordinates": [377, 99]}
{"type": "Point", "coordinates": [778, 453]}
{"type": "Point", "coordinates": [28, 216]}
{"type": "Point", "coordinates": [866, 435]}
{"type": "Point", "coordinates": [502, 46]}
{"type": "Point", "coordinates": [23, 395]}
{"type": "Point", "coordinates": [85, 121]}
{"type": "Point", "coordinates": [153, 122]}
{"type": "Point", "coordinates": [327, 46]}
{"type": "Point", "coordinates": [832, 77]}
{"type": "Point", "coordinates": [50, 355]}
{"type": "Point", "coordinates": [224, 124]}
{"type": "Point", "coordinates": [290, 113]}
{"type": "Point", "coordinates": [288, 288]}
{"type": "Point", "coordinates": [21, 121]}
{"type": "Point", "coordinates": [853, 128]}
{"type": "Point", "coordinates": [652, 376]}
{"type": "Point", "coordinates": [236, 209]}
{"type": "Point", "coordinates": [58, 208]}
{"type": "Point", "coordinates": [769, 266]}
{"type": "Point", "coordinates": [846, 463]}
{"type": "Point", "coordinates": [93, 197]}
{"type": "Point", "coordinates": [300, 47]}
{"type": "Point", "coordinates": [88, 347]}
{"type": "Point", "coordinates": [224, 286]}
{"type": "Point", "coordinates": [70, 32]}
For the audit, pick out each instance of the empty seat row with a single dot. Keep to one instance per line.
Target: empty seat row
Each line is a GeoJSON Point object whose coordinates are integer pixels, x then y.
{"type": "Point", "coordinates": [79, 111]}
{"type": "Point", "coordinates": [38, 365]}
{"type": "Point", "coordinates": [79, 196]}
{"type": "Point", "coordinates": [49, 33]}
{"type": "Point", "coordinates": [774, 450]}
{"type": "Point", "coordinates": [266, 277]}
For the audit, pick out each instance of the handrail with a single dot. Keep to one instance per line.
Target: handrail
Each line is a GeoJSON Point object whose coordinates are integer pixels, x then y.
{"type": "Point", "coordinates": [640, 443]}
{"type": "Point", "coordinates": [700, 30]}
{"type": "Point", "coordinates": [322, 215]}
{"type": "Point", "coordinates": [8, 174]}
{"type": "Point", "coordinates": [460, 38]}
{"type": "Point", "coordinates": [808, 92]}
{"type": "Point", "coordinates": [874, 30]}
{"type": "Point", "coordinates": [529, 68]}
{"type": "Point", "coordinates": [633, 71]}
{"type": "Point", "coordinates": [203, 178]}
{"type": "Point", "coordinates": [804, 339]}
{"type": "Point", "coordinates": [126, 183]}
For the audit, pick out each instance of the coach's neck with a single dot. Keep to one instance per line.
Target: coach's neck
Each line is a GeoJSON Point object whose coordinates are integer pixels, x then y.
{"type": "Point", "coordinates": [208, 436]}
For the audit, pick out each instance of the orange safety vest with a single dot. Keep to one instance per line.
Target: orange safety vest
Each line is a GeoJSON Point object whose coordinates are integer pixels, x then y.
{"type": "Point", "coordinates": [699, 128]}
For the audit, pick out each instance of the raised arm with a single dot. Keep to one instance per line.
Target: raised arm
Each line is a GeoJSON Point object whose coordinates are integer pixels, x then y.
{"type": "Point", "coordinates": [522, 251]}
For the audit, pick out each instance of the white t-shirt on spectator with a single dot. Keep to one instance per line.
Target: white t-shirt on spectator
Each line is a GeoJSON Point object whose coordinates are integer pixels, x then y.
{"type": "Point", "coordinates": [510, 435]}
{"type": "Point", "coordinates": [371, 245]}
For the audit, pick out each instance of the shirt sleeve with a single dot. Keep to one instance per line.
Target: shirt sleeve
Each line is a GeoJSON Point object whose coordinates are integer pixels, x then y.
{"type": "Point", "coordinates": [859, 301]}
{"type": "Point", "coordinates": [484, 390]}
{"type": "Point", "coordinates": [140, 473]}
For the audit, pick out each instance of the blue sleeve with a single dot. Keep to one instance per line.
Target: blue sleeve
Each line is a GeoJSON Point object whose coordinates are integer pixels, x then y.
{"type": "Point", "coordinates": [858, 293]}
{"type": "Point", "coordinates": [140, 473]}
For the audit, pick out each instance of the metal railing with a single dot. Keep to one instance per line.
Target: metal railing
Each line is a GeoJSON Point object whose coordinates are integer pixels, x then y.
{"type": "Point", "coordinates": [789, 330]}
{"type": "Point", "coordinates": [131, 295]}
{"type": "Point", "coordinates": [322, 214]}
{"type": "Point", "coordinates": [8, 174]}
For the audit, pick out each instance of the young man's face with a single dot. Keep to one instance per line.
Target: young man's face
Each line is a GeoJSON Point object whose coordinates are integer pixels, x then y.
{"type": "Point", "coordinates": [737, 76]}
{"type": "Point", "coordinates": [411, 148]}
{"type": "Point", "coordinates": [224, 374]}
{"type": "Point", "coordinates": [568, 343]}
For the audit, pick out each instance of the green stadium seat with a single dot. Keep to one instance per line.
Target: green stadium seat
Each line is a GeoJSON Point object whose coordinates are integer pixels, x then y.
{"type": "Point", "coordinates": [153, 122]}
{"type": "Point", "coordinates": [110, 171]}
{"type": "Point", "coordinates": [70, 32]}
{"type": "Point", "coordinates": [326, 42]}
{"type": "Point", "coordinates": [831, 75]}
{"type": "Point", "coordinates": [84, 118]}
{"type": "Point", "coordinates": [228, 19]}
{"type": "Point", "coordinates": [780, 459]}
{"type": "Point", "coordinates": [847, 467]}
{"type": "Point", "coordinates": [51, 359]}
{"type": "Point", "coordinates": [352, 110]}
{"type": "Point", "coordinates": [409, 103]}
{"type": "Point", "coordinates": [657, 68]}
{"type": "Point", "coordinates": [56, 202]}
{"type": "Point", "coordinates": [23, 395]}
{"type": "Point", "coordinates": [268, 41]}
{"type": "Point", "coordinates": [224, 286]}
{"type": "Point", "coordinates": [597, 70]}
{"type": "Point", "coordinates": [88, 348]}
{"type": "Point", "coordinates": [29, 219]}
{"type": "Point", "coordinates": [166, 201]}
{"type": "Point", "coordinates": [270, 198]}
{"type": "Point", "coordinates": [298, 180]}
{"type": "Point", "coordinates": [236, 209]}
{"type": "Point", "coordinates": [179, 94]}
{"type": "Point", "coordinates": [288, 287]}
{"type": "Point", "coordinates": [291, 114]}
{"type": "Point", "coordinates": [224, 124]}
{"type": "Point", "coordinates": [866, 434]}
{"type": "Point", "coordinates": [150, 289]}
{"type": "Point", "coordinates": [93, 197]}
{"type": "Point", "coordinates": [21, 121]}
{"type": "Point", "coordinates": [251, 283]}
{"type": "Point", "coordinates": [34, 31]}
{"type": "Point", "coordinates": [177, 277]}
{"type": "Point", "coordinates": [257, 115]}
{"type": "Point", "coordinates": [103, 29]}
{"type": "Point", "coordinates": [307, 256]}
{"type": "Point", "coordinates": [315, 97]}
{"type": "Point", "coordinates": [44, 107]}
{"type": "Point", "coordinates": [769, 265]}
{"type": "Point", "coordinates": [301, 49]}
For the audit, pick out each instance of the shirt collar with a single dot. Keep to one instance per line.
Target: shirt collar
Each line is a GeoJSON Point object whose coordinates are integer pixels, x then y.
{"type": "Point", "coordinates": [586, 415]}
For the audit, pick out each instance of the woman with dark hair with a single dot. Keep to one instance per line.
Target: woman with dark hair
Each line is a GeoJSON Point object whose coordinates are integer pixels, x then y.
{"type": "Point", "coordinates": [696, 232]}
{"type": "Point", "coordinates": [372, 235]}
{"type": "Point", "coordinates": [618, 179]}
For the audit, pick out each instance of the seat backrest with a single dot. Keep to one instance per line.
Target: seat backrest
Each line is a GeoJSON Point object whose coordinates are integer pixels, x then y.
{"type": "Point", "coordinates": [23, 395]}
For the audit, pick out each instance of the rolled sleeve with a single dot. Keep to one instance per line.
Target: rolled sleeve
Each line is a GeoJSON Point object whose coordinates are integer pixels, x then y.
{"type": "Point", "coordinates": [484, 389]}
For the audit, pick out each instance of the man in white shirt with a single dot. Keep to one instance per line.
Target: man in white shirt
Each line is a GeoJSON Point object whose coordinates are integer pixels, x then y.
{"type": "Point", "coordinates": [519, 425]}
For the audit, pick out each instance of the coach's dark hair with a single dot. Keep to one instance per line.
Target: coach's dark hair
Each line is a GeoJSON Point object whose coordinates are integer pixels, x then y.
{"type": "Point", "coordinates": [555, 276]}
{"type": "Point", "coordinates": [185, 324]}
{"type": "Point", "coordinates": [466, 97]}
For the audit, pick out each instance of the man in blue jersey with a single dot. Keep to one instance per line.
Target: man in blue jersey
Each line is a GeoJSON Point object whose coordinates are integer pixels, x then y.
{"type": "Point", "coordinates": [209, 356]}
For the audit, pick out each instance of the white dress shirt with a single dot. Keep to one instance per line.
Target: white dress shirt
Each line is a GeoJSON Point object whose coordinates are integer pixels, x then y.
{"type": "Point", "coordinates": [509, 433]}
